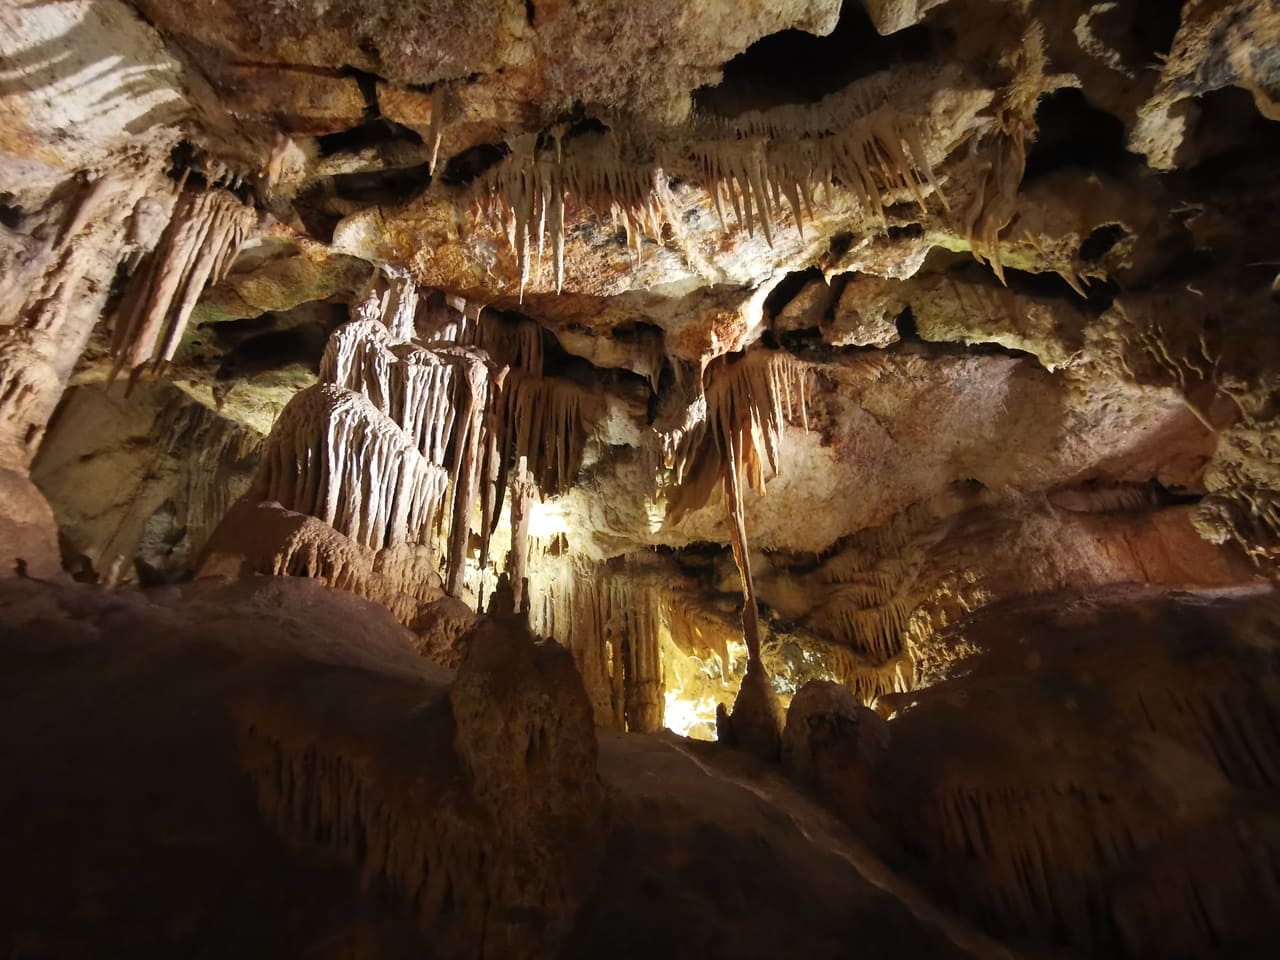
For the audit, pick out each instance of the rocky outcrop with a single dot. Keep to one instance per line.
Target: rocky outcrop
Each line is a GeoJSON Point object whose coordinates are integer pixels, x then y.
{"type": "Point", "coordinates": [1088, 768]}
{"type": "Point", "coordinates": [322, 788]}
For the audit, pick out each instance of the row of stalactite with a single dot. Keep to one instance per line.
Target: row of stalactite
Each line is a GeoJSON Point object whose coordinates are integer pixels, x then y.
{"type": "Point", "coordinates": [755, 164]}
{"type": "Point", "coordinates": [610, 621]}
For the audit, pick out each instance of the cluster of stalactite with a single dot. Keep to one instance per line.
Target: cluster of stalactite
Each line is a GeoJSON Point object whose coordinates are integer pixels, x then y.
{"type": "Point", "coordinates": [53, 291]}
{"type": "Point", "coordinates": [335, 456]}
{"type": "Point", "coordinates": [756, 164]}
{"type": "Point", "coordinates": [197, 248]}
{"type": "Point", "coordinates": [864, 613]}
{"type": "Point", "coordinates": [415, 439]}
{"type": "Point", "coordinates": [1075, 857]}
{"type": "Point", "coordinates": [610, 620]}
{"type": "Point", "coordinates": [224, 448]}
{"type": "Point", "coordinates": [54, 288]}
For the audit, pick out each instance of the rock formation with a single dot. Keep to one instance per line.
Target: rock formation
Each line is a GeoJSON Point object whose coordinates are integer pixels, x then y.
{"type": "Point", "coordinates": [422, 423]}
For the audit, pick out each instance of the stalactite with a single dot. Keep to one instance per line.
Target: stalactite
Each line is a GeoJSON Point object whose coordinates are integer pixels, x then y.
{"type": "Point", "coordinates": [756, 162]}
{"type": "Point", "coordinates": [748, 402]}
{"type": "Point", "coordinates": [223, 448]}
{"type": "Point", "coordinates": [738, 538]}
{"type": "Point", "coordinates": [52, 293]}
{"type": "Point", "coordinates": [548, 422]}
{"type": "Point", "coordinates": [994, 204]}
{"type": "Point", "coordinates": [610, 619]}
{"type": "Point", "coordinates": [197, 248]}
{"type": "Point", "coordinates": [695, 630]}
{"type": "Point", "coordinates": [1080, 857]}
{"type": "Point", "coordinates": [469, 445]}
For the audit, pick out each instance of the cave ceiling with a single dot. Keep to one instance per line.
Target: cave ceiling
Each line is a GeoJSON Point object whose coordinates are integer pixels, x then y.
{"type": "Point", "coordinates": [1021, 254]}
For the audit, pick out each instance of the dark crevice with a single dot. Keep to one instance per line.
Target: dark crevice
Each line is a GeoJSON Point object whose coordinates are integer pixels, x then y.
{"type": "Point", "coordinates": [530, 12]}
{"type": "Point", "coordinates": [798, 67]}
{"type": "Point", "coordinates": [318, 221]}
{"type": "Point", "coordinates": [809, 346]}
{"type": "Point", "coordinates": [374, 132]}
{"type": "Point", "coordinates": [787, 289]}
{"type": "Point", "coordinates": [10, 214]}
{"type": "Point", "coordinates": [182, 160]}
{"type": "Point", "coordinates": [272, 351]}
{"type": "Point", "coordinates": [1048, 285]}
{"type": "Point", "coordinates": [1071, 132]}
{"type": "Point", "coordinates": [1224, 130]}
{"type": "Point", "coordinates": [383, 186]}
{"type": "Point", "coordinates": [797, 341]}
{"type": "Point", "coordinates": [908, 331]}
{"type": "Point", "coordinates": [472, 163]}
{"type": "Point", "coordinates": [1141, 31]}
{"type": "Point", "coordinates": [1042, 286]}
{"type": "Point", "coordinates": [839, 247]}
{"type": "Point", "coordinates": [368, 84]}
{"type": "Point", "coordinates": [1155, 24]}
{"type": "Point", "coordinates": [906, 231]}
{"type": "Point", "coordinates": [1099, 495]}
{"type": "Point", "coordinates": [1100, 242]}
{"type": "Point", "coordinates": [276, 340]}
{"type": "Point", "coordinates": [184, 167]}
{"type": "Point", "coordinates": [584, 127]}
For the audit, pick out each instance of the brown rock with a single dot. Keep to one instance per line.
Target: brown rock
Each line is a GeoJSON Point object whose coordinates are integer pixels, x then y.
{"type": "Point", "coordinates": [867, 312]}
{"type": "Point", "coordinates": [28, 533]}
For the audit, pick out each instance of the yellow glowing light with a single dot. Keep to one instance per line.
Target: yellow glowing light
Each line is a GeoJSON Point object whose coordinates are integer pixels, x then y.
{"type": "Point", "coordinates": [547, 519]}
{"type": "Point", "coordinates": [695, 719]}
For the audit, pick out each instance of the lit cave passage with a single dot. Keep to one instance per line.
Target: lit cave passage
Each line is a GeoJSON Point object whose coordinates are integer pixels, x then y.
{"type": "Point", "coordinates": [512, 480]}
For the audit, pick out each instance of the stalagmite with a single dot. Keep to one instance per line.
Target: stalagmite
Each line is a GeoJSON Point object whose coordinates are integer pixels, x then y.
{"type": "Point", "coordinates": [522, 494]}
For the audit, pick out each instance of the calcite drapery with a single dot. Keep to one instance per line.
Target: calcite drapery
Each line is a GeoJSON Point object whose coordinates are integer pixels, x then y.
{"type": "Point", "coordinates": [748, 402]}
{"type": "Point", "coordinates": [406, 440]}
{"type": "Point", "coordinates": [52, 293]}
{"type": "Point", "coordinates": [197, 248]}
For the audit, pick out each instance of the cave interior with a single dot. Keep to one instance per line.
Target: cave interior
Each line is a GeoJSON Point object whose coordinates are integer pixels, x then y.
{"type": "Point", "coordinates": [693, 478]}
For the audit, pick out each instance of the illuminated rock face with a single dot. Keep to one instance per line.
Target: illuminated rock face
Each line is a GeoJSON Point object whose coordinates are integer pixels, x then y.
{"type": "Point", "coordinates": [888, 389]}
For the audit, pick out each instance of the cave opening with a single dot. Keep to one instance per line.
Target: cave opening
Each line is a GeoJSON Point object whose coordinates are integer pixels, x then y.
{"type": "Point", "coordinates": [1071, 132]}
{"type": "Point", "coordinates": [765, 75]}
{"type": "Point", "coordinates": [467, 166]}
{"type": "Point", "coordinates": [376, 132]}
